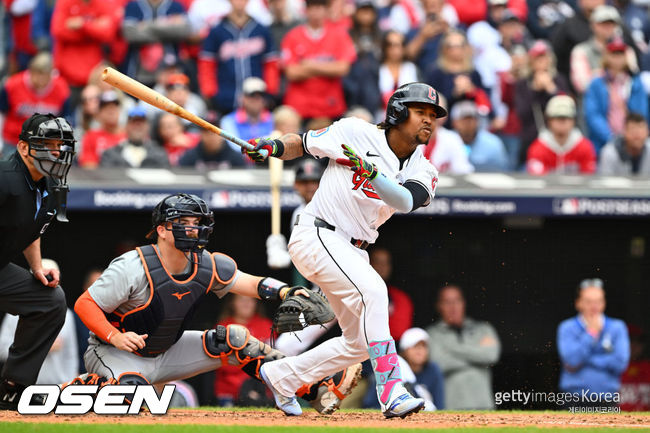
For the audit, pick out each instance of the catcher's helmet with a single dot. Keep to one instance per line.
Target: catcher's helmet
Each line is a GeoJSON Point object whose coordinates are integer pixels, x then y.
{"type": "Point", "coordinates": [397, 111]}
{"type": "Point", "coordinates": [40, 131]}
{"type": "Point", "coordinates": [171, 208]}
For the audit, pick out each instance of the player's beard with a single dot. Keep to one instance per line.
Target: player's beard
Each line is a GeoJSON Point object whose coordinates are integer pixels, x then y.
{"type": "Point", "coordinates": [423, 136]}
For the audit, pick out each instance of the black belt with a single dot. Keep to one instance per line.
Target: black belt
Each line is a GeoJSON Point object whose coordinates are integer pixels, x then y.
{"type": "Point", "coordinates": [324, 224]}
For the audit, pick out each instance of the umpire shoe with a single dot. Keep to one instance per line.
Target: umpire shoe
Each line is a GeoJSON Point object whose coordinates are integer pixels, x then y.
{"type": "Point", "coordinates": [403, 405]}
{"type": "Point", "coordinates": [288, 405]}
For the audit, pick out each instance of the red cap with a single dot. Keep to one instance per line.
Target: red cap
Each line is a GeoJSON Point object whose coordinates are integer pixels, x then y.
{"type": "Point", "coordinates": [177, 79]}
{"type": "Point", "coordinates": [539, 48]}
{"type": "Point", "coordinates": [616, 45]}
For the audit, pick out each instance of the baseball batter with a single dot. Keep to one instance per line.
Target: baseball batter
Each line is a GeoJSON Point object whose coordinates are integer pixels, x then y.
{"type": "Point", "coordinates": [389, 174]}
{"type": "Point", "coordinates": [139, 308]}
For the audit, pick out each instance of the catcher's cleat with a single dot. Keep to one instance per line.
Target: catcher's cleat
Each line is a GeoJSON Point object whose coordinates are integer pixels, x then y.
{"type": "Point", "coordinates": [288, 405]}
{"type": "Point", "coordinates": [90, 379]}
{"type": "Point", "coordinates": [403, 406]}
{"type": "Point", "coordinates": [332, 391]}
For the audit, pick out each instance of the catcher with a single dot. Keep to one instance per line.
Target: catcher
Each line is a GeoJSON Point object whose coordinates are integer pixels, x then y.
{"type": "Point", "coordinates": [140, 307]}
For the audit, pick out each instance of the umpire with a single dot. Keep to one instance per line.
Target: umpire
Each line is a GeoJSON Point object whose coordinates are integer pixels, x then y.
{"type": "Point", "coordinates": [32, 192]}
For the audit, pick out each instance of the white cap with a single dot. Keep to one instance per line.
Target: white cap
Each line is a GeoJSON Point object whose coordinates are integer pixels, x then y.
{"type": "Point", "coordinates": [561, 106]}
{"type": "Point", "coordinates": [605, 13]}
{"type": "Point", "coordinates": [411, 337]}
{"type": "Point", "coordinates": [253, 85]}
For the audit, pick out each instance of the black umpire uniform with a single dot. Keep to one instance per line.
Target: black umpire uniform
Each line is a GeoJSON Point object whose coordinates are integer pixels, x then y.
{"type": "Point", "coordinates": [27, 207]}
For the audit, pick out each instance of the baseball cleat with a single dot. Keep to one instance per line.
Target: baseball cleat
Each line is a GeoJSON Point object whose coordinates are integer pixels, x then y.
{"type": "Point", "coordinates": [332, 392]}
{"type": "Point", "coordinates": [288, 405]}
{"type": "Point", "coordinates": [403, 406]}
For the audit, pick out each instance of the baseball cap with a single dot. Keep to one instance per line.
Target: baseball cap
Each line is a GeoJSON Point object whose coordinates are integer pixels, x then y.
{"type": "Point", "coordinates": [464, 109]}
{"type": "Point", "coordinates": [253, 85]}
{"type": "Point", "coordinates": [538, 48]}
{"type": "Point", "coordinates": [108, 97]}
{"type": "Point", "coordinates": [509, 16]}
{"type": "Point", "coordinates": [137, 111]}
{"type": "Point", "coordinates": [605, 13]}
{"type": "Point", "coordinates": [315, 3]}
{"type": "Point", "coordinates": [411, 337]}
{"type": "Point", "coordinates": [309, 169]}
{"type": "Point", "coordinates": [177, 79]}
{"type": "Point", "coordinates": [497, 2]}
{"type": "Point", "coordinates": [366, 4]}
{"type": "Point", "coordinates": [561, 106]}
{"type": "Point", "coordinates": [616, 45]}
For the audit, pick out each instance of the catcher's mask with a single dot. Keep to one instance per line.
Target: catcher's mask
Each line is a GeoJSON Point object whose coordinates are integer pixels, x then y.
{"type": "Point", "coordinates": [175, 206]}
{"type": "Point", "coordinates": [51, 145]}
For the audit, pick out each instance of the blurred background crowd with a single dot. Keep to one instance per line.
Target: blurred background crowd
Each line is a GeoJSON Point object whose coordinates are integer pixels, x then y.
{"type": "Point", "coordinates": [257, 66]}
{"type": "Point", "coordinates": [537, 86]}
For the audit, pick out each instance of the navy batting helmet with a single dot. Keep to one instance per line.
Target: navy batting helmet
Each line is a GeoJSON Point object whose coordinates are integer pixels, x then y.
{"type": "Point", "coordinates": [397, 111]}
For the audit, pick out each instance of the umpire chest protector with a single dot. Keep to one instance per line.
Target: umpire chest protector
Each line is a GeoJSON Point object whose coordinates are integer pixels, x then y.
{"type": "Point", "coordinates": [171, 302]}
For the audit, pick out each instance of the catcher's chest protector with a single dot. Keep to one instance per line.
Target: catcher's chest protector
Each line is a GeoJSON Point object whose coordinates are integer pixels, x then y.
{"type": "Point", "coordinates": [171, 302]}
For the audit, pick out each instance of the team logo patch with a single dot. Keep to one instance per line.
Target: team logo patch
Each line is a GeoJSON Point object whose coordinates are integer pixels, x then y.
{"type": "Point", "coordinates": [319, 132]}
{"type": "Point", "coordinates": [432, 95]}
{"type": "Point", "coordinates": [434, 183]}
{"type": "Point", "coordinates": [364, 185]}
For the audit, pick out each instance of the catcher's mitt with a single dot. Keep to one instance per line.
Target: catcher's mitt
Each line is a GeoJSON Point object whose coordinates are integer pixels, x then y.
{"type": "Point", "coordinates": [297, 312]}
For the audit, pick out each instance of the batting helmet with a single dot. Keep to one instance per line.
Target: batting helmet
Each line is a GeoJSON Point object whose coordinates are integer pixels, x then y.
{"type": "Point", "coordinates": [175, 206]}
{"type": "Point", "coordinates": [40, 132]}
{"type": "Point", "coordinates": [397, 111]}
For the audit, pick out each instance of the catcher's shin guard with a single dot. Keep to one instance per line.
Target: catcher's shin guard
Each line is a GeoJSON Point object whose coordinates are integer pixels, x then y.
{"type": "Point", "coordinates": [327, 394]}
{"type": "Point", "coordinates": [235, 346]}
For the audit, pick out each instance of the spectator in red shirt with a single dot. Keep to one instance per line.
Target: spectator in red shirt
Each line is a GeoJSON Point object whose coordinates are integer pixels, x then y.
{"type": "Point", "coordinates": [109, 133]}
{"type": "Point", "coordinates": [400, 306]}
{"type": "Point", "coordinates": [316, 56]}
{"type": "Point", "coordinates": [245, 311]}
{"type": "Point", "coordinates": [172, 136]}
{"type": "Point", "coordinates": [20, 19]}
{"type": "Point", "coordinates": [80, 30]}
{"type": "Point", "coordinates": [39, 89]}
{"type": "Point", "coordinates": [561, 148]}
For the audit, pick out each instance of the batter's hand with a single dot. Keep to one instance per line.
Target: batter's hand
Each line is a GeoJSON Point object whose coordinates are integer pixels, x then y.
{"type": "Point", "coordinates": [362, 168]}
{"type": "Point", "coordinates": [128, 341]}
{"type": "Point", "coordinates": [49, 277]}
{"type": "Point", "coordinates": [264, 147]}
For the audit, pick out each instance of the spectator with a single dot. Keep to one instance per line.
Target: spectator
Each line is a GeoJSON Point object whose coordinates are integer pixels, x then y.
{"type": "Point", "coordinates": [628, 154]}
{"type": "Point", "coordinates": [414, 348]}
{"type": "Point", "coordinates": [486, 151]}
{"type": "Point", "coordinates": [609, 98]}
{"type": "Point", "coordinates": [316, 57]}
{"type": "Point", "coordinates": [446, 149]}
{"type": "Point", "coordinates": [40, 28]}
{"type": "Point", "coordinates": [361, 84]}
{"type": "Point", "coordinates": [464, 349]}
{"type": "Point", "coordinates": [594, 349]}
{"type": "Point", "coordinates": [39, 89]}
{"type": "Point", "coordinates": [20, 18]}
{"type": "Point", "coordinates": [471, 11]}
{"type": "Point", "coordinates": [484, 34]}
{"type": "Point", "coordinates": [137, 150]}
{"type": "Point", "coordinates": [284, 19]}
{"type": "Point", "coordinates": [395, 70]}
{"type": "Point", "coordinates": [206, 14]}
{"type": "Point", "coordinates": [635, 383]}
{"type": "Point", "coordinates": [571, 32]}
{"type": "Point", "coordinates": [587, 56]}
{"type": "Point", "coordinates": [561, 148]}
{"type": "Point", "coordinates": [238, 48]}
{"type": "Point", "coordinates": [636, 20]}
{"type": "Point", "coordinates": [400, 306]}
{"type": "Point", "coordinates": [178, 91]}
{"type": "Point", "coordinates": [85, 115]}
{"type": "Point", "coordinates": [545, 15]}
{"type": "Point", "coordinates": [153, 29]}
{"type": "Point", "coordinates": [398, 15]}
{"type": "Point", "coordinates": [171, 135]}
{"type": "Point", "coordinates": [245, 311]}
{"type": "Point", "coordinates": [286, 120]}
{"type": "Point", "coordinates": [424, 42]}
{"type": "Point", "coordinates": [533, 92]}
{"type": "Point", "coordinates": [212, 152]}
{"type": "Point", "coordinates": [454, 75]}
{"type": "Point", "coordinates": [80, 31]}
{"type": "Point", "coordinates": [109, 133]}
{"type": "Point", "coordinates": [61, 362]}
{"type": "Point", "coordinates": [252, 119]}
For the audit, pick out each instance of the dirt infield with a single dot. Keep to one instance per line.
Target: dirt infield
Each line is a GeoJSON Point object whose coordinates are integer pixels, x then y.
{"type": "Point", "coordinates": [355, 419]}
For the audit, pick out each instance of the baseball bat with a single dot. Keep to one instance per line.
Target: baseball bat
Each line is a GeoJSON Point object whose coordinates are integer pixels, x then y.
{"type": "Point", "coordinates": [275, 174]}
{"type": "Point", "coordinates": [151, 97]}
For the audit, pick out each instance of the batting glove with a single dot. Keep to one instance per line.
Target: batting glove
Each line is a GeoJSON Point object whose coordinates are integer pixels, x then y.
{"type": "Point", "coordinates": [359, 166]}
{"type": "Point", "coordinates": [264, 147]}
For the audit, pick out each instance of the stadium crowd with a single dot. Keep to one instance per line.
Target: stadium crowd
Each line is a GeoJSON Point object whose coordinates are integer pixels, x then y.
{"type": "Point", "coordinates": [540, 86]}
{"type": "Point", "coordinates": [543, 86]}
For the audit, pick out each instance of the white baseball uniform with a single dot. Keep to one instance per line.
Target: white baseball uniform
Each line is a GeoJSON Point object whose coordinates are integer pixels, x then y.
{"type": "Point", "coordinates": [348, 203]}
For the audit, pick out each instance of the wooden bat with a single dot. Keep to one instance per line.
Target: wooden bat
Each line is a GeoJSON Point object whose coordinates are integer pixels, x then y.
{"type": "Point", "coordinates": [275, 173]}
{"type": "Point", "coordinates": [151, 97]}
